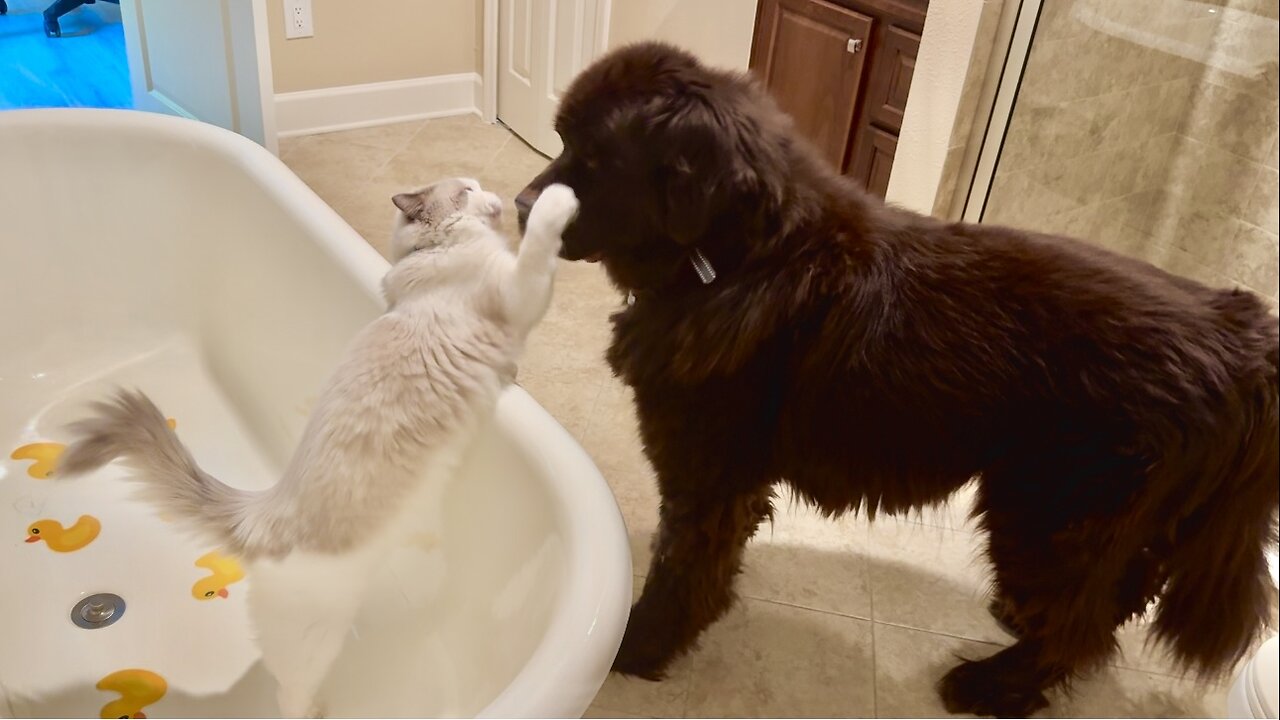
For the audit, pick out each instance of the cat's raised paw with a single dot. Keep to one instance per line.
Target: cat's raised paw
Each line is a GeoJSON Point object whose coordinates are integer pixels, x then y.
{"type": "Point", "coordinates": [554, 209]}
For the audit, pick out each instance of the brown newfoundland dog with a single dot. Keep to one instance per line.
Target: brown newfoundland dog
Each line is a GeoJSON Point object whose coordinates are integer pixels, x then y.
{"type": "Point", "coordinates": [786, 327]}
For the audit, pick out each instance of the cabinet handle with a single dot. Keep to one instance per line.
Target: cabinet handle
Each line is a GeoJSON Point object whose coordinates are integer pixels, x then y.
{"type": "Point", "coordinates": [854, 45]}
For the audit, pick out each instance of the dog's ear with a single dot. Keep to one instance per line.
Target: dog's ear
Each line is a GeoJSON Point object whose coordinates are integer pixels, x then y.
{"type": "Point", "coordinates": [719, 170]}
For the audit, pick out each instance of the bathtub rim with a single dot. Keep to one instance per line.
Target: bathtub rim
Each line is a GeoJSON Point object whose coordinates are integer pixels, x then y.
{"type": "Point", "coordinates": [572, 659]}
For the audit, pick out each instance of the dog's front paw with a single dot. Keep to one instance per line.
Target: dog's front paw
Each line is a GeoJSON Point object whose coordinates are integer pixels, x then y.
{"type": "Point", "coordinates": [554, 209]}
{"type": "Point", "coordinates": [638, 657]}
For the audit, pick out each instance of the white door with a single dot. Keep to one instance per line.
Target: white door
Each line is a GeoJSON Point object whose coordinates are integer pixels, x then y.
{"type": "Point", "coordinates": [542, 44]}
{"type": "Point", "coordinates": [203, 59]}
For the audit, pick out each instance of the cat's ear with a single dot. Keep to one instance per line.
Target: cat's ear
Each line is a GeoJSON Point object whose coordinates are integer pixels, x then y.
{"type": "Point", "coordinates": [410, 204]}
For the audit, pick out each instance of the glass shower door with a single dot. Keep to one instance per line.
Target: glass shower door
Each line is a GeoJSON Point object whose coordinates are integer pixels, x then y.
{"type": "Point", "coordinates": [1146, 126]}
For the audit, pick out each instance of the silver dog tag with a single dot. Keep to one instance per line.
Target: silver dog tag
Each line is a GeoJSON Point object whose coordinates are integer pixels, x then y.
{"type": "Point", "coordinates": [702, 266]}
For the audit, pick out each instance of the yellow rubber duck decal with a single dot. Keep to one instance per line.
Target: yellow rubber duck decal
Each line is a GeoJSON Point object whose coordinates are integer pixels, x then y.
{"type": "Point", "coordinates": [225, 570]}
{"type": "Point", "coordinates": [137, 688]}
{"type": "Point", "coordinates": [64, 539]}
{"type": "Point", "coordinates": [45, 455]}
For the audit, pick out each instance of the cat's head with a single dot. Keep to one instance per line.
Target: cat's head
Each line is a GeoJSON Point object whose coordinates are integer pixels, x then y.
{"type": "Point", "coordinates": [428, 215]}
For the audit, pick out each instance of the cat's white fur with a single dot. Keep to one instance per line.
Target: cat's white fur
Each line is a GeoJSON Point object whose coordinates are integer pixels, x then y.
{"type": "Point", "coordinates": [387, 431]}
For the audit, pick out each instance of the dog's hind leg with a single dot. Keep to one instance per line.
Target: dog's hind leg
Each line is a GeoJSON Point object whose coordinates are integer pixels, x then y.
{"type": "Point", "coordinates": [697, 556]}
{"type": "Point", "coordinates": [1064, 584]}
{"type": "Point", "coordinates": [1065, 626]}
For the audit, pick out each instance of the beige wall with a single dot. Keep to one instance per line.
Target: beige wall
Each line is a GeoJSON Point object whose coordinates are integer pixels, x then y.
{"type": "Point", "coordinates": [368, 41]}
{"type": "Point", "coordinates": [1151, 128]}
{"type": "Point", "coordinates": [937, 86]}
{"type": "Point", "coordinates": [717, 31]}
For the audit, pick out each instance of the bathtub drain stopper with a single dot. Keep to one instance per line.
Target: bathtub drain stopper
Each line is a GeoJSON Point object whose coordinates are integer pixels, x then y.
{"type": "Point", "coordinates": [97, 611]}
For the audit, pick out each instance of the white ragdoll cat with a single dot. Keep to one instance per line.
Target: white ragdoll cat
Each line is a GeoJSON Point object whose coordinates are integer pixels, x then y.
{"type": "Point", "coordinates": [393, 419]}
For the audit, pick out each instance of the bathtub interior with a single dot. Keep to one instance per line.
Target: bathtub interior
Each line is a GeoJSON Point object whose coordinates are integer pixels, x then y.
{"type": "Point", "coordinates": [160, 264]}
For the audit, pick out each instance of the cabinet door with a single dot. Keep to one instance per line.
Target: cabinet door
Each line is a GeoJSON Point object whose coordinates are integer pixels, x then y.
{"type": "Point", "coordinates": [875, 132]}
{"type": "Point", "coordinates": [811, 55]}
{"type": "Point", "coordinates": [873, 160]}
{"type": "Point", "coordinates": [892, 66]}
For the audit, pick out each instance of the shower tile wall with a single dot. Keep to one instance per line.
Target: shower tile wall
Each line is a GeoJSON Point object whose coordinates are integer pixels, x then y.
{"type": "Point", "coordinates": [1150, 127]}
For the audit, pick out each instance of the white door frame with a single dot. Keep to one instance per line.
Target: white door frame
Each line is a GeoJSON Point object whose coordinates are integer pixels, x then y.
{"type": "Point", "coordinates": [266, 81]}
{"type": "Point", "coordinates": [489, 66]}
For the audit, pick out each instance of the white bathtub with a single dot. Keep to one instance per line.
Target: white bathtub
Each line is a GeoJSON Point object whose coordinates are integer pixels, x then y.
{"type": "Point", "coordinates": [176, 257]}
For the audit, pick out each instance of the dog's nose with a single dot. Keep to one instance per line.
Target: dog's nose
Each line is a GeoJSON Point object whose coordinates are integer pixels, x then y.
{"type": "Point", "coordinates": [524, 203]}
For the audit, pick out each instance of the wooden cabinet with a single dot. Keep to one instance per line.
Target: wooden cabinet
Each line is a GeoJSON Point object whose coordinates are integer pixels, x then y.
{"type": "Point", "coordinates": [842, 69]}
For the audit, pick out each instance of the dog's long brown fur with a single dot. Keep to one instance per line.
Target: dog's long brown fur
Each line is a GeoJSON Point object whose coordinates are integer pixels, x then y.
{"type": "Point", "coordinates": [1122, 422]}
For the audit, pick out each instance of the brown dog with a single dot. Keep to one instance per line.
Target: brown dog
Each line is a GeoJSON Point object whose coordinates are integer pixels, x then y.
{"type": "Point", "coordinates": [1122, 421]}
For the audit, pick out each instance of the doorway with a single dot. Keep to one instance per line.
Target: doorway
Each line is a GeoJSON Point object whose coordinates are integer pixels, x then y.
{"type": "Point", "coordinates": [534, 49]}
{"type": "Point", "coordinates": [54, 54]}
{"type": "Point", "coordinates": [207, 60]}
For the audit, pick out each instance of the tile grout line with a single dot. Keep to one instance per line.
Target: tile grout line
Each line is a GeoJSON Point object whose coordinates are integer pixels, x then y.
{"type": "Point", "coordinates": [875, 662]}
{"type": "Point", "coordinates": [940, 633]}
{"type": "Point", "coordinates": [953, 636]}
{"type": "Point", "coordinates": [335, 137]}
{"type": "Point", "coordinates": [848, 616]}
{"type": "Point", "coordinates": [797, 606]}
{"type": "Point", "coordinates": [494, 157]}
{"type": "Point", "coordinates": [684, 703]}
{"type": "Point", "coordinates": [591, 413]}
{"type": "Point", "coordinates": [966, 528]}
{"type": "Point", "coordinates": [396, 153]}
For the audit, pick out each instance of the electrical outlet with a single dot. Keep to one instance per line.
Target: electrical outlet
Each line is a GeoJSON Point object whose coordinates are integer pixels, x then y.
{"type": "Point", "coordinates": [297, 19]}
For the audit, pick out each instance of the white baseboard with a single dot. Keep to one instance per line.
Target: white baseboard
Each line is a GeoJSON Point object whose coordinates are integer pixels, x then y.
{"type": "Point", "coordinates": [354, 106]}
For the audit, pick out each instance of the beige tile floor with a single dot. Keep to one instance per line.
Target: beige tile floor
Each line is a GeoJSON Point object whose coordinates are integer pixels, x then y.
{"type": "Point", "coordinates": [838, 618]}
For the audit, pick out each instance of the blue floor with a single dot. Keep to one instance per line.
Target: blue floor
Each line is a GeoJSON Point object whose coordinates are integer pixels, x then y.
{"type": "Point", "coordinates": [86, 67]}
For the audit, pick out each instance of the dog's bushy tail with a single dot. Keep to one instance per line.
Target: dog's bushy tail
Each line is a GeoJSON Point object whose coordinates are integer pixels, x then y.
{"type": "Point", "coordinates": [130, 427]}
{"type": "Point", "coordinates": [1219, 593]}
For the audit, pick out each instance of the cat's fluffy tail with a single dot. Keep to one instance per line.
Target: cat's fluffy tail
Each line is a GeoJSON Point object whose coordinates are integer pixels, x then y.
{"type": "Point", "coordinates": [130, 427]}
